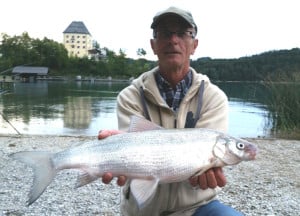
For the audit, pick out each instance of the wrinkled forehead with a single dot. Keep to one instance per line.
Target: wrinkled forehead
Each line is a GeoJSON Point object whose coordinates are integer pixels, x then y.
{"type": "Point", "coordinates": [173, 21]}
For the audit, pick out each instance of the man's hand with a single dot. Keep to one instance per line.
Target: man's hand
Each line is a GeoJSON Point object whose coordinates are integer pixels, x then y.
{"type": "Point", "coordinates": [106, 133]}
{"type": "Point", "coordinates": [210, 179]}
{"type": "Point", "coordinates": [107, 177]}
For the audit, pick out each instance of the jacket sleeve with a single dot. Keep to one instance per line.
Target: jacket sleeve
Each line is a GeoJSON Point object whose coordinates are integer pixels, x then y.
{"type": "Point", "coordinates": [128, 104]}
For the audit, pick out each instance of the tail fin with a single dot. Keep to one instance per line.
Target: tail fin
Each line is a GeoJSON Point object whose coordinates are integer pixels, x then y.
{"type": "Point", "coordinates": [44, 171]}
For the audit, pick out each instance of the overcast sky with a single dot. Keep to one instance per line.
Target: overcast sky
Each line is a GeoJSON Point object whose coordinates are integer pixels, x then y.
{"type": "Point", "coordinates": [227, 28]}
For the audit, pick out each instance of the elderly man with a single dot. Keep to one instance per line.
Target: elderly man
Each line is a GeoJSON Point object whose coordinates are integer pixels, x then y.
{"type": "Point", "coordinates": [174, 95]}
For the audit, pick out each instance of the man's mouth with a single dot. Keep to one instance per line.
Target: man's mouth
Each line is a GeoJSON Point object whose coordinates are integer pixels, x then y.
{"type": "Point", "coordinates": [171, 52]}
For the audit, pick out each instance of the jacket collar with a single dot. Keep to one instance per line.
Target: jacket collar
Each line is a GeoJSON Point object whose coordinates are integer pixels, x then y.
{"type": "Point", "coordinates": [148, 83]}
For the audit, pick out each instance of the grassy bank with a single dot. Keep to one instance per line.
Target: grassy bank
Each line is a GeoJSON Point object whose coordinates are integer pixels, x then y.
{"type": "Point", "coordinates": [284, 106]}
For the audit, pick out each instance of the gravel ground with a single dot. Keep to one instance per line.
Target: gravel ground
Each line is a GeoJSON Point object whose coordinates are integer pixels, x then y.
{"type": "Point", "coordinates": [268, 186]}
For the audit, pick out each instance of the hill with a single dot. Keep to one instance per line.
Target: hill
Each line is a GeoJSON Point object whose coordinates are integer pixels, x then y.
{"type": "Point", "coordinates": [272, 65]}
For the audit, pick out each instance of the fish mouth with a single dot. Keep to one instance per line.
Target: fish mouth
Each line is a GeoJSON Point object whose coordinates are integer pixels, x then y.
{"type": "Point", "coordinates": [251, 155]}
{"type": "Point", "coordinates": [251, 151]}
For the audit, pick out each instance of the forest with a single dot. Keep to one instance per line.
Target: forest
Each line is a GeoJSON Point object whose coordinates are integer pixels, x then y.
{"type": "Point", "coordinates": [276, 65]}
{"type": "Point", "coordinates": [271, 65]}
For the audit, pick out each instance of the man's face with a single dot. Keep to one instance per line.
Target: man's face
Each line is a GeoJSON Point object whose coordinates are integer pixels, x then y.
{"type": "Point", "coordinates": [174, 41]}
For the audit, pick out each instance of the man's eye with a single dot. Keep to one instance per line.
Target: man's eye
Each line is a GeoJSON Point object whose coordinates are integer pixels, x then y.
{"type": "Point", "coordinates": [180, 34]}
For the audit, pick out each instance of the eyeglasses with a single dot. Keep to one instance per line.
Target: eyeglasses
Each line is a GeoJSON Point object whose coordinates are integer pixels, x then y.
{"type": "Point", "coordinates": [168, 34]}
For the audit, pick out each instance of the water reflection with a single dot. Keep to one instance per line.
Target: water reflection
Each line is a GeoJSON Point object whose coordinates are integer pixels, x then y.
{"type": "Point", "coordinates": [58, 107]}
{"type": "Point", "coordinates": [33, 89]}
{"type": "Point", "coordinates": [63, 108]}
{"type": "Point", "coordinates": [77, 112]}
{"type": "Point", "coordinates": [244, 91]}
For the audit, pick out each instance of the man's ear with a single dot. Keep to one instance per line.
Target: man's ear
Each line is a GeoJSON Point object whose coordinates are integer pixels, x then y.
{"type": "Point", "coordinates": [195, 44]}
{"type": "Point", "coordinates": [152, 42]}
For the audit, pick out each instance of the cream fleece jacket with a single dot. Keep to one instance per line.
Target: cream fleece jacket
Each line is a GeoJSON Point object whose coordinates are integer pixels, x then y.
{"type": "Point", "coordinates": [176, 198]}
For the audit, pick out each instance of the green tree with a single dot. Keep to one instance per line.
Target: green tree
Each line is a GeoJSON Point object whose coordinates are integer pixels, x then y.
{"type": "Point", "coordinates": [50, 53]}
{"type": "Point", "coordinates": [16, 50]}
{"type": "Point", "coordinates": [141, 52]}
{"type": "Point", "coordinates": [23, 50]}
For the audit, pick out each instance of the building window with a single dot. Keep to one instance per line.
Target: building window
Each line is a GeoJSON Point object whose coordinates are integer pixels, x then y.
{"type": "Point", "coordinates": [83, 47]}
{"type": "Point", "coordinates": [83, 36]}
{"type": "Point", "coordinates": [78, 47]}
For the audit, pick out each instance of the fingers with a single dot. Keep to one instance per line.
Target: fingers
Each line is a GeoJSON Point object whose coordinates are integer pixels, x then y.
{"type": "Point", "coordinates": [107, 177]}
{"type": "Point", "coordinates": [194, 181]}
{"type": "Point", "coordinates": [202, 181]}
{"type": "Point", "coordinates": [121, 180]}
{"type": "Point", "coordinates": [106, 133]}
{"type": "Point", "coordinates": [210, 179]}
{"type": "Point", "coordinates": [220, 177]}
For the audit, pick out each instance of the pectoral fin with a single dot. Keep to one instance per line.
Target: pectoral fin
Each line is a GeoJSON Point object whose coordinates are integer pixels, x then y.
{"type": "Point", "coordinates": [143, 190]}
{"type": "Point", "coordinates": [85, 179]}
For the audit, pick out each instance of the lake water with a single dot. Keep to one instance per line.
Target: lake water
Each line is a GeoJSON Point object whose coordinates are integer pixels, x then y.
{"type": "Point", "coordinates": [83, 108]}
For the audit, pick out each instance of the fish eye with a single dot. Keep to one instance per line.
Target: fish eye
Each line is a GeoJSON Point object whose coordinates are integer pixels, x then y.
{"type": "Point", "coordinates": [240, 145]}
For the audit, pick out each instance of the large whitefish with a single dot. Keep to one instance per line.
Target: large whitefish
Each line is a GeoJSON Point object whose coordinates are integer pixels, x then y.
{"type": "Point", "coordinates": [148, 155]}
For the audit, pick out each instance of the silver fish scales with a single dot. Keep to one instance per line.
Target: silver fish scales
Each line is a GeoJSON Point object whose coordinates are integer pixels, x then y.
{"type": "Point", "coordinates": [147, 157]}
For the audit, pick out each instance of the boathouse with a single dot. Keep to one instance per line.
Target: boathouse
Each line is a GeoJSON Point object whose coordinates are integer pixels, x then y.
{"type": "Point", "coordinates": [29, 73]}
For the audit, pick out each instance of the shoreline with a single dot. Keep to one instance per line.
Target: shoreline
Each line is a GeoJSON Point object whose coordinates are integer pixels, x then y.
{"type": "Point", "coordinates": [267, 186]}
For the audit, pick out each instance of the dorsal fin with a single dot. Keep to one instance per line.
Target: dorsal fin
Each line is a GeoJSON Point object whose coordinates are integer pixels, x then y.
{"type": "Point", "coordinates": [140, 124]}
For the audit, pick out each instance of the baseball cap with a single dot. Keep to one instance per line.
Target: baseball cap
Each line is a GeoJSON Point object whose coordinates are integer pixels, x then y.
{"type": "Point", "coordinates": [185, 15]}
